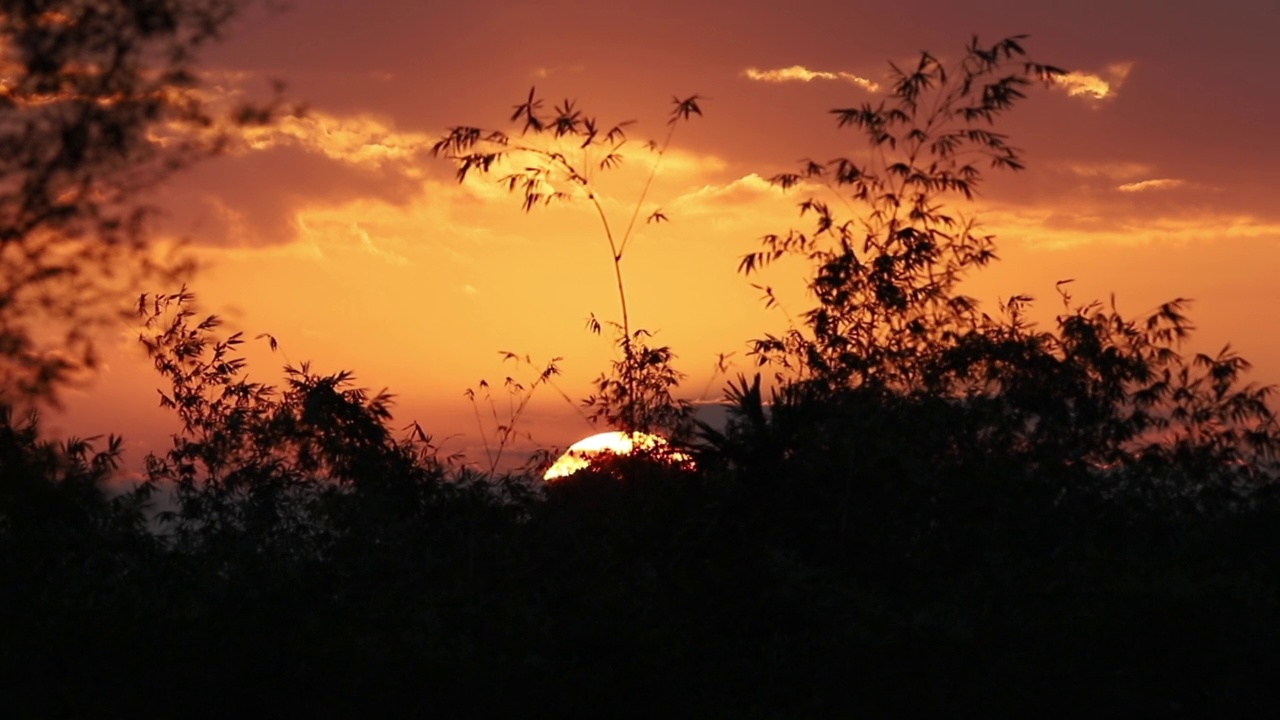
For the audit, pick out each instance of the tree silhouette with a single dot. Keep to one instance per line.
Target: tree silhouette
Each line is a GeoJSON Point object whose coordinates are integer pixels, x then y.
{"type": "Point", "coordinates": [890, 329]}
{"type": "Point", "coordinates": [885, 279]}
{"type": "Point", "coordinates": [567, 148]}
{"type": "Point", "coordinates": [98, 102]}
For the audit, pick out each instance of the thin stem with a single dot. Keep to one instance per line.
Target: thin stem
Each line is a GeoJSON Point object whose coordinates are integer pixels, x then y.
{"type": "Point", "coordinates": [484, 437]}
{"type": "Point", "coordinates": [615, 252]}
{"type": "Point", "coordinates": [626, 237]}
{"type": "Point", "coordinates": [572, 404]}
{"type": "Point", "coordinates": [616, 256]}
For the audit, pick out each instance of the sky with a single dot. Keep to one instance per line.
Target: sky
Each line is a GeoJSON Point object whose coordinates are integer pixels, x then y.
{"type": "Point", "coordinates": [1151, 174]}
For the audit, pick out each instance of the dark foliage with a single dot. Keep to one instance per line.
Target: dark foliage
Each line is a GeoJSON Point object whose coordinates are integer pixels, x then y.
{"type": "Point", "coordinates": [940, 513]}
{"type": "Point", "coordinates": [99, 102]}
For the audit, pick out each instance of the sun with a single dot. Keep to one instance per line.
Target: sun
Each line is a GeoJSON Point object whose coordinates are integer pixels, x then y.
{"type": "Point", "coordinates": [582, 453]}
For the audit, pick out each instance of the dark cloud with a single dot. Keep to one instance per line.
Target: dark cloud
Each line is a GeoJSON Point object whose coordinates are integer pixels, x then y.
{"type": "Point", "coordinates": [251, 199]}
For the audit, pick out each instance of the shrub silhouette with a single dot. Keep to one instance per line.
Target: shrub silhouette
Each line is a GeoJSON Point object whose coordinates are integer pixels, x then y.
{"type": "Point", "coordinates": [1098, 394]}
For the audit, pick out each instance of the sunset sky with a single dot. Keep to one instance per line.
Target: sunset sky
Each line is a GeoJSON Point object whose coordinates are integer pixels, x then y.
{"type": "Point", "coordinates": [1152, 173]}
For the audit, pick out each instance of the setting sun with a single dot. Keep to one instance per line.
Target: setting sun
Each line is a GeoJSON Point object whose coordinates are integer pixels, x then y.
{"type": "Point", "coordinates": [581, 454]}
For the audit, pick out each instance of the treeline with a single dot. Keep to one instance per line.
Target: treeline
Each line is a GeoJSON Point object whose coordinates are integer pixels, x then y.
{"type": "Point", "coordinates": [862, 552]}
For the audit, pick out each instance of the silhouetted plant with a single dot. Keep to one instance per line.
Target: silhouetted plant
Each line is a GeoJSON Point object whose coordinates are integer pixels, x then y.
{"type": "Point", "coordinates": [637, 394]}
{"type": "Point", "coordinates": [518, 397]}
{"type": "Point", "coordinates": [885, 279]}
{"type": "Point", "coordinates": [890, 329]}
{"type": "Point", "coordinates": [48, 484]}
{"type": "Point", "coordinates": [99, 103]}
{"type": "Point", "coordinates": [568, 147]}
{"type": "Point", "coordinates": [251, 455]}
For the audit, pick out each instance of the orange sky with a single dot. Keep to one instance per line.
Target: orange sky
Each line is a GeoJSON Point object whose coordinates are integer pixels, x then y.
{"type": "Point", "coordinates": [1151, 174]}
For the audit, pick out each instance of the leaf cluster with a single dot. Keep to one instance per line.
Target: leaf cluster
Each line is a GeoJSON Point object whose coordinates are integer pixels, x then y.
{"type": "Point", "coordinates": [99, 102]}
{"type": "Point", "coordinates": [638, 394]}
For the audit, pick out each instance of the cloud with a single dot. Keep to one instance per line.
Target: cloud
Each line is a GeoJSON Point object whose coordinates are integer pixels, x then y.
{"type": "Point", "coordinates": [799, 73]}
{"type": "Point", "coordinates": [253, 195]}
{"type": "Point", "coordinates": [1126, 177]}
{"type": "Point", "coordinates": [254, 198]}
{"type": "Point", "coordinates": [1113, 171]}
{"type": "Point", "coordinates": [1096, 86]}
{"type": "Point", "coordinates": [360, 139]}
{"type": "Point", "coordinates": [363, 141]}
{"type": "Point", "coordinates": [1062, 229]}
{"type": "Point", "coordinates": [750, 192]}
{"type": "Point", "coordinates": [685, 164]}
{"type": "Point", "coordinates": [366, 243]}
{"type": "Point", "coordinates": [545, 72]}
{"type": "Point", "coordinates": [1157, 184]}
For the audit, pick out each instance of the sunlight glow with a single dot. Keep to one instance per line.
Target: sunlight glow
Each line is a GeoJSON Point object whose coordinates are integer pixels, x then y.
{"type": "Point", "coordinates": [582, 453]}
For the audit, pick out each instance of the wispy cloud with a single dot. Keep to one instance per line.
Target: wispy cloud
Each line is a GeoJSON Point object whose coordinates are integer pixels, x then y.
{"type": "Point", "coordinates": [684, 164]}
{"type": "Point", "coordinates": [1045, 227]}
{"type": "Point", "coordinates": [1096, 86]}
{"type": "Point", "coordinates": [799, 73]}
{"type": "Point", "coordinates": [353, 140]}
{"type": "Point", "coordinates": [545, 72]}
{"type": "Point", "coordinates": [747, 191]}
{"type": "Point", "coordinates": [358, 140]}
{"type": "Point", "coordinates": [1156, 184]}
{"type": "Point", "coordinates": [1112, 170]}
